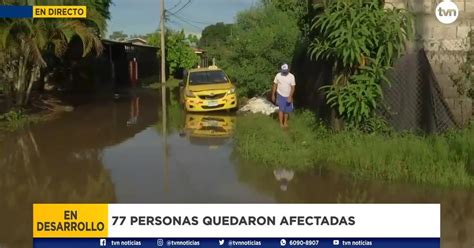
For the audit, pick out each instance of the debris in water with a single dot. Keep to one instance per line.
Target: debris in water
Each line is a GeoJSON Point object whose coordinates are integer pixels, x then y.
{"type": "Point", "coordinates": [259, 105]}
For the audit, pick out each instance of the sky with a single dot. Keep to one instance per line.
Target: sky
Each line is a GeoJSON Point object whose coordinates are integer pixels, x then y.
{"type": "Point", "coordinates": [143, 16]}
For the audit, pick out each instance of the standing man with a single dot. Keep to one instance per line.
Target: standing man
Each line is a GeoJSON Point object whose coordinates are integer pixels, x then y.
{"type": "Point", "coordinates": [283, 90]}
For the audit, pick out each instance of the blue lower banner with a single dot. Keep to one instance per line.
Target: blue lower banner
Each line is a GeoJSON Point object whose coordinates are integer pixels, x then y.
{"type": "Point", "coordinates": [238, 242]}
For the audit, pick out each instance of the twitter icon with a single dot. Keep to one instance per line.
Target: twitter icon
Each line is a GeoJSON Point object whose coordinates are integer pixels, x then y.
{"type": "Point", "coordinates": [221, 242]}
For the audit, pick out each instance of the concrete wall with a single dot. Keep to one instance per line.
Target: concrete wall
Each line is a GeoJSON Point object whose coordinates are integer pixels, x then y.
{"type": "Point", "coordinates": [447, 47]}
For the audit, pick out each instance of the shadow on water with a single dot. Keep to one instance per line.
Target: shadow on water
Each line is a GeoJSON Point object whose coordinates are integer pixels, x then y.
{"type": "Point", "coordinates": [121, 151]}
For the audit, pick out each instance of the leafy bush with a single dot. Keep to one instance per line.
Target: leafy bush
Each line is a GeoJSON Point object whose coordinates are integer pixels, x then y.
{"type": "Point", "coordinates": [13, 116]}
{"type": "Point", "coordinates": [357, 99]}
{"type": "Point", "coordinates": [16, 119]}
{"type": "Point", "coordinates": [363, 38]}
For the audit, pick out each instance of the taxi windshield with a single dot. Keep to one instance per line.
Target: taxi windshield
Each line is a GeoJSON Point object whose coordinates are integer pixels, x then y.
{"type": "Point", "coordinates": [207, 77]}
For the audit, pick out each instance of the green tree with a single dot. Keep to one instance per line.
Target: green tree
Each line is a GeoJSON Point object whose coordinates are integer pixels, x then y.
{"type": "Point", "coordinates": [141, 36]}
{"type": "Point", "coordinates": [263, 38]}
{"type": "Point", "coordinates": [298, 9]}
{"type": "Point", "coordinates": [215, 35]}
{"type": "Point", "coordinates": [215, 40]}
{"type": "Point", "coordinates": [364, 39]}
{"type": "Point", "coordinates": [23, 42]}
{"type": "Point", "coordinates": [118, 35]}
{"type": "Point", "coordinates": [154, 38]}
{"type": "Point", "coordinates": [193, 40]}
{"type": "Point", "coordinates": [179, 54]}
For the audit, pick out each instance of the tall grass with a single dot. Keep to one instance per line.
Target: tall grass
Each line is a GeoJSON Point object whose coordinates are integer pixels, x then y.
{"type": "Point", "coordinates": [443, 160]}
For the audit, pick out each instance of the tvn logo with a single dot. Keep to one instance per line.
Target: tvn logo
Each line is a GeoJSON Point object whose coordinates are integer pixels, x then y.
{"type": "Point", "coordinates": [447, 12]}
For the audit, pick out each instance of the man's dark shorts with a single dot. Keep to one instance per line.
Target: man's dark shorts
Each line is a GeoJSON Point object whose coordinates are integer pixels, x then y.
{"type": "Point", "coordinates": [283, 104]}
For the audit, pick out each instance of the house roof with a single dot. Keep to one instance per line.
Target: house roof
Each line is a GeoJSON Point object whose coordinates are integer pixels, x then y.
{"type": "Point", "coordinates": [137, 39]}
{"type": "Point", "coordinates": [198, 50]}
{"type": "Point", "coordinates": [109, 41]}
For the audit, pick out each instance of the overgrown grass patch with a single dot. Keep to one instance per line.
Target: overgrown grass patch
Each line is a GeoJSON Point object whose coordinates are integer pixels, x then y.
{"type": "Point", "coordinates": [259, 138]}
{"type": "Point", "coordinates": [445, 159]}
{"type": "Point", "coordinates": [16, 119]}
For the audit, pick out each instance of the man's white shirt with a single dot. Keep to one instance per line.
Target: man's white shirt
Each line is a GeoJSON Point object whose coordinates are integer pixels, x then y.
{"type": "Point", "coordinates": [284, 83]}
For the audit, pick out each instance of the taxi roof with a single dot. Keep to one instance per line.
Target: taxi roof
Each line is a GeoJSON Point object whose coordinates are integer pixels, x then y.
{"type": "Point", "coordinates": [210, 68]}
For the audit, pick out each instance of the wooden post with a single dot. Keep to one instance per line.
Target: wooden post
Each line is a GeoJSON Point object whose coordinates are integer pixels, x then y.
{"type": "Point", "coordinates": [162, 33]}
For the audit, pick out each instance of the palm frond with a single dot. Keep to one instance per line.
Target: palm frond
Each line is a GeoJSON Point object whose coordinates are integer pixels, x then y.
{"type": "Point", "coordinates": [95, 19]}
{"type": "Point", "coordinates": [41, 33]}
{"type": "Point", "coordinates": [5, 28]}
{"type": "Point", "coordinates": [35, 51]}
{"type": "Point", "coordinates": [60, 46]}
{"type": "Point", "coordinates": [87, 35]}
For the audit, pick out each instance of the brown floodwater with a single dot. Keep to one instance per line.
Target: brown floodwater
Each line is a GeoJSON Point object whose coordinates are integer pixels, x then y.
{"type": "Point", "coordinates": [119, 151]}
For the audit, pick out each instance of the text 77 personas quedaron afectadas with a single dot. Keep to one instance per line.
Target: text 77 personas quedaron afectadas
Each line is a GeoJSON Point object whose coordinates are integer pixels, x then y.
{"type": "Point", "coordinates": [243, 220]}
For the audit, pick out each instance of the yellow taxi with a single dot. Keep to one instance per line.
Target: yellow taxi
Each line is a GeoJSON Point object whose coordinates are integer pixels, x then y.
{"type": "Point", "coordinates": [208, 89]}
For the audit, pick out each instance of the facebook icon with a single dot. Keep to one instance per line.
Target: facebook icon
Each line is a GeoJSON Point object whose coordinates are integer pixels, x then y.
{"type": "Point", "coordinates": [103, 242]}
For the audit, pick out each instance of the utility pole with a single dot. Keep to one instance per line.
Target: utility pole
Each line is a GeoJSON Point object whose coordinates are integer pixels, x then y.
{"type": "Point", "coordinates": [163, 54]}
{"type": "Point", "coordinates": [163, 64]}
{"type": "Point", "coordinates": [164, 135]}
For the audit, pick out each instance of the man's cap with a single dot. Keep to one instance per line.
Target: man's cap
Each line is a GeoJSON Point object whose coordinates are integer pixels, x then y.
{"type": "Point", "coordinates": [285, 68]}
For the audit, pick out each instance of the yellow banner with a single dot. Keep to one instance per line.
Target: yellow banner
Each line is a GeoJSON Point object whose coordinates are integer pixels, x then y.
{"type": "Point", "coordinates": [70, 220]}
{"type": "Point", "coordinates": [59, 12]}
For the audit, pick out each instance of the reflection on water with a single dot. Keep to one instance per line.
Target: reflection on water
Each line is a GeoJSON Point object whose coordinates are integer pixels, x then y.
{"type": "Point", "coordinates": [34, 169]}
{"type": "Point", "coordinates": [284, 177]}
{"type": "Point", "coordinates": [134, 110]}
{"type": "Point", "coordinates": [61, 161]}
{"type": "Point", "coordinates": [209, 129]}
{"type": "Point", "coordinates": [122, 151]}
{"type": "Point", "coordinates": [325, 186]}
